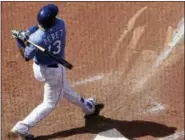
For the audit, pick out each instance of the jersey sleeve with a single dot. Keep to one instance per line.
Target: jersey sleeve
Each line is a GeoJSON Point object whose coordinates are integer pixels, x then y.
{"type": "Point", "coordinates": [32, 29]}
{"type": "Point", "coordinates": [29, 31]}
{"type": "Point", "coordinates": [29, 52]}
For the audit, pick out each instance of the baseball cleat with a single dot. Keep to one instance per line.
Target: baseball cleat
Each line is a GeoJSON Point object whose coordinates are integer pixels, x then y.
{"type": "Point", "coordinates": [91, 102]}
{"type": "Point", "coordinates": [13, 134]}
{"type": "Point", "coordinates": [90, 106]}
{"type": "Point", "coordinates": [98, 107]}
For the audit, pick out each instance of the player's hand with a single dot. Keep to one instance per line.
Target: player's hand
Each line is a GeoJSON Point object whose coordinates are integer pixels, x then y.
{"type": "Point", "coordinates": [22, 35]}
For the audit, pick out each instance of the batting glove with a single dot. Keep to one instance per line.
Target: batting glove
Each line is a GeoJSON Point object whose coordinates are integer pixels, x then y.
{"type": "Point", "coordinates": [22, 35]}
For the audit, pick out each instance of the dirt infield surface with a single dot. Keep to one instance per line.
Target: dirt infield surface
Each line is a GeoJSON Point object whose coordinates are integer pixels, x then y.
{"type": "Point", "coordinates": [116, 49]}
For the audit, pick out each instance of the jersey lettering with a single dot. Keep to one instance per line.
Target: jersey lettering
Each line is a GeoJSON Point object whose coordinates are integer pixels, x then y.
{"type": "Point", "coordinates": [57, 45]}
{"type": "Point", "coordinates": [53, 36]}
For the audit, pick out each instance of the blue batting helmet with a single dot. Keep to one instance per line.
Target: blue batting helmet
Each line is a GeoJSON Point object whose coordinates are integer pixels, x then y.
{"type": "Point", "coordinates": [46, 15]}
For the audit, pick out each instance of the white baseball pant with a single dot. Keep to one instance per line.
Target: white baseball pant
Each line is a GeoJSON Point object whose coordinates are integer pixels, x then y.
{"type": "Point", "coordinates": [55, 87]}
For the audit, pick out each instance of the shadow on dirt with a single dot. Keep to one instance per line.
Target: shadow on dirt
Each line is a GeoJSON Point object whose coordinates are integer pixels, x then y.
{"type": "Point", "coordinates": [130, 129]}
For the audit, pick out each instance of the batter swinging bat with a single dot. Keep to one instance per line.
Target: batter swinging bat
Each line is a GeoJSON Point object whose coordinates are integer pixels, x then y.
{"type": "Point", "coordinates": [59, 60]}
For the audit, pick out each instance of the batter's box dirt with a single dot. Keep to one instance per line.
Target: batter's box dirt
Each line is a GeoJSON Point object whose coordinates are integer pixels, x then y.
{"type": "Point", "coordinates": [95, 30]}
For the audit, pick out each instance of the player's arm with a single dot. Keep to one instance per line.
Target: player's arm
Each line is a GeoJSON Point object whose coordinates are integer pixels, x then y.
{"type": "Point", "coordinates": [26, 50]}
{"type": "Point", "coordinates": [29, 52]}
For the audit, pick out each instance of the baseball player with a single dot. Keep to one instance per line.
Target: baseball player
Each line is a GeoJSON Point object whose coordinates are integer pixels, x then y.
{"type": "Point", "coordinates": [51, 34]}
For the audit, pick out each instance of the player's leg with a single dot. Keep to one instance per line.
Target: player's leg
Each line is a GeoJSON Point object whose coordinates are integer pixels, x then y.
{"type": "Point", "coordinates": [52, 94]}
{"type": "Point", "coordinates": [51, 97]}
{"type": "Point", "coordinates": [87, 105]}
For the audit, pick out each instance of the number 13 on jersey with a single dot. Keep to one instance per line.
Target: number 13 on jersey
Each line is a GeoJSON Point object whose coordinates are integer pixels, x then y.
{"type": "Point", "coordinates": [57, 46]}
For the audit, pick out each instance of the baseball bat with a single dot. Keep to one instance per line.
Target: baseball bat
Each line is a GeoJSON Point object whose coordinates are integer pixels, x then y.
{"type": "Point", "coordinates": [59, 60]}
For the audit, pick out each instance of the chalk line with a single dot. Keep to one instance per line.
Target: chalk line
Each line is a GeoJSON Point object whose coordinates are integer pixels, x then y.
{"type": "Point", "coordinates": [174, 40]}
{"type": "Point", "coordinates": [137, 33]}
{"type": "Point", "coordinates": [103, 76]}
{"type": "Point", "coordinates": [89, 80]}
{"type": "Point", "coordinates": [164, 54]}
{"type": "Point", "coordinates": [151, 70]}
{"type": "Point", "coordinates": [178, 34]}
{"type": "Point", "coordinates": [130, 26]}
{"type": "Point", "coordinates": [156, 108]}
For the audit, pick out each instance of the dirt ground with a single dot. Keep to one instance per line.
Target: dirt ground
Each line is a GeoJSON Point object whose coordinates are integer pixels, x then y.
{"type": "Point", "coordinates": [115, 48]}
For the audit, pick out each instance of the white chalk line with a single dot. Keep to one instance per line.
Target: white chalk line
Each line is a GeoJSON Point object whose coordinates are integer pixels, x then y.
{"type": "Point", "coordinates": [159, 60]}
{"type": "Point", "coordinates": [137, 33]}
{"type": "Point", "coordinates": [174, 40]}
{"type": "Point", "coordinates": [178, 34]}
{"type": "Point", "coordinates": [176, 136]}
{"type": "Point", "coordinates": [95, 78]}
{"type": "Point", "coordinates": [164, 54]}
{"type": "Point", "coordinates": [89, 80]}
{"type": "Point", "coordinates": [130, 26]}
{"type": "Point", "coordinates": [156, 108]}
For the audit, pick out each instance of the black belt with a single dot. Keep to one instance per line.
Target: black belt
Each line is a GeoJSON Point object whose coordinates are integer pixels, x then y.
{"type": "Point", "coordinates": [49, 66]}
